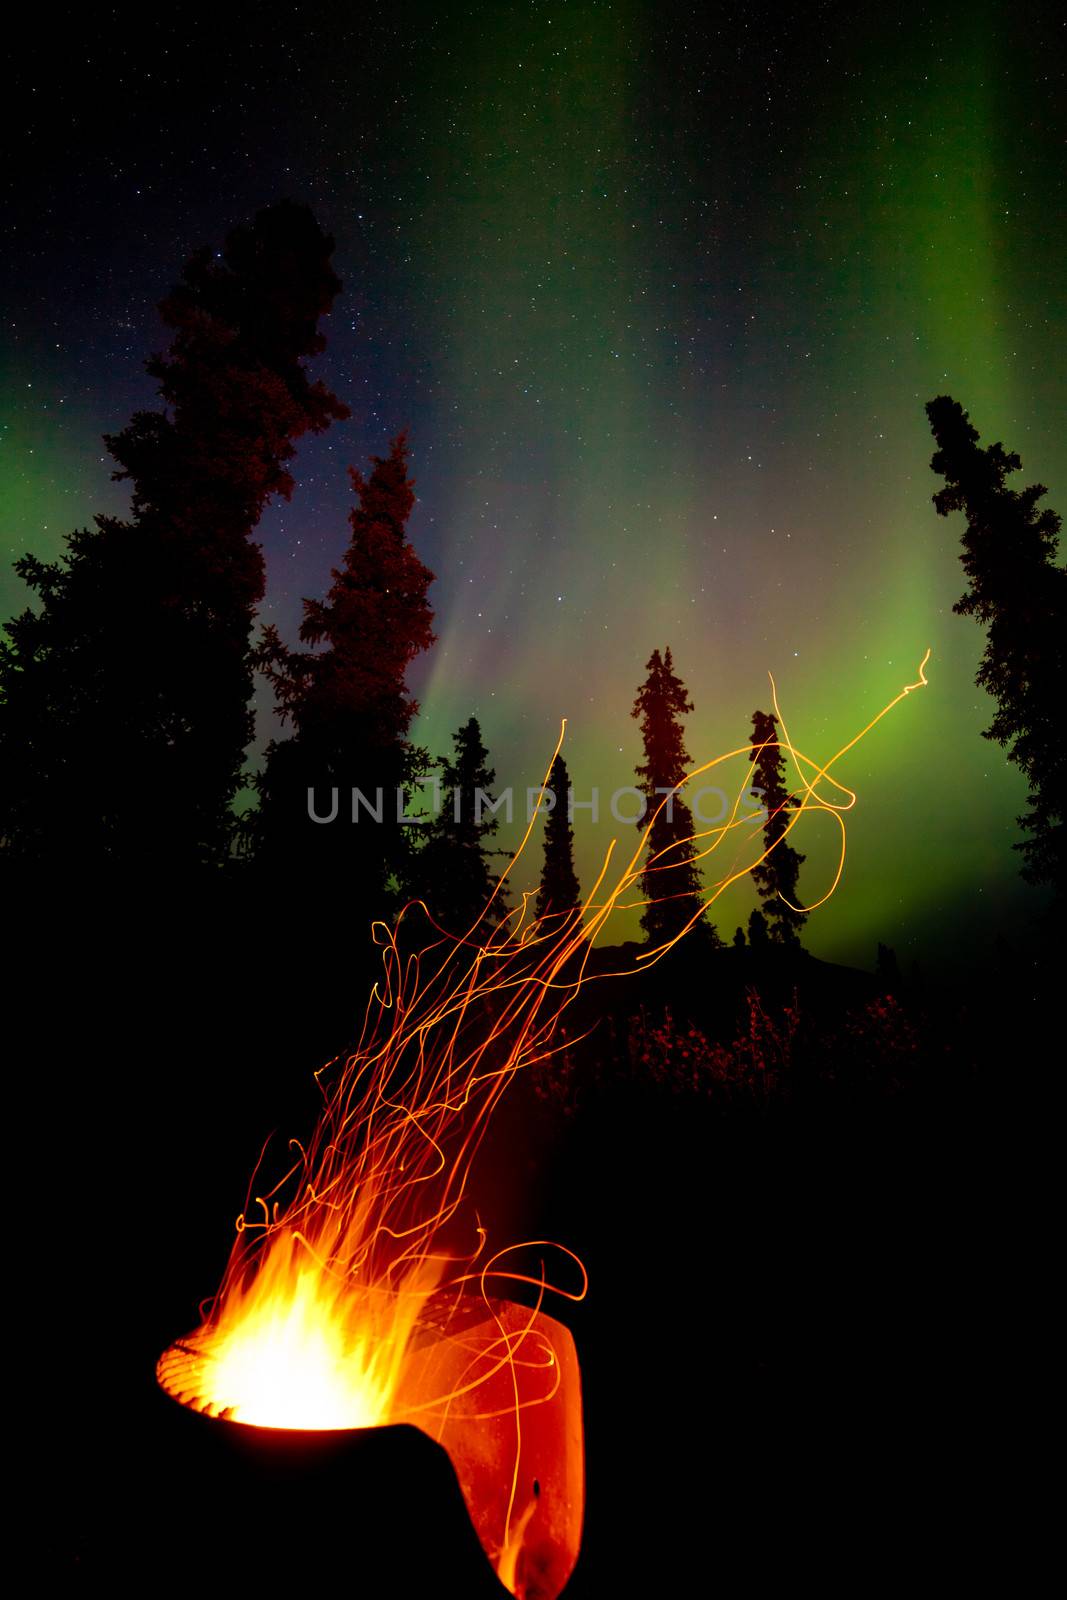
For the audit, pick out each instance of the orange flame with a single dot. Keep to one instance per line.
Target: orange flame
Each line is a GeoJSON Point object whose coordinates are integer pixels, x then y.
{"type": "Point", "coordinates": [348, 1305]}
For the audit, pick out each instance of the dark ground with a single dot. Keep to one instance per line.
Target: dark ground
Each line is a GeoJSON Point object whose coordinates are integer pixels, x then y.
{"type": "Point", "coordinates": [802, 1304]}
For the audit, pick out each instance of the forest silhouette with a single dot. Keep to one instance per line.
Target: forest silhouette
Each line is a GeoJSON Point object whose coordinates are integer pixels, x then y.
{"type": "Point", "coordinates": [125, 686]}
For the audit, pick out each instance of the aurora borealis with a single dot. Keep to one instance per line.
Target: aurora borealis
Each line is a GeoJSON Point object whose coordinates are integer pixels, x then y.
{"type": "Point", "coordinates": [660, 294]}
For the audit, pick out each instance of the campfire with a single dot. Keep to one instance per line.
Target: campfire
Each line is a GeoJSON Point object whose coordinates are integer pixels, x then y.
{"type": "Point", "coordinates": [359, 1296]}
{"type": "Point", "coordinates": [345, 1306]}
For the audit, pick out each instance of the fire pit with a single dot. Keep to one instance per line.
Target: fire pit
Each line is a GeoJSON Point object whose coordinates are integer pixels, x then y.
{"type": "Point", "coordinates": [489, 1401]}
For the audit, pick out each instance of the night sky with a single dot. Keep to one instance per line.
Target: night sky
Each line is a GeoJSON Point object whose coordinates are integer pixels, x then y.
{"type": "Point", "coordinates": [660, 293]}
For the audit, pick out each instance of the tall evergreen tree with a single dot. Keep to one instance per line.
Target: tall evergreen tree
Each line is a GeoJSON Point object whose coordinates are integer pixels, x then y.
{"type": "Point", "coordinates": [776, 875]}
{"type": "Point", "coordinates": [670, 880]}
{"type": "Point", "coordinates": [124, 697]}
{"type": "Point", "coordinates": [1017, 589]}
{"type": "Point", "coordinates": [452, 871]}
{"type": "Point", "coordinates": [559, 893]}
{"type": "Point", "coordinates": [347, 701]}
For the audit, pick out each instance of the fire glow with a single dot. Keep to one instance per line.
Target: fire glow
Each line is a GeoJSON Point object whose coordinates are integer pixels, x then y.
{"type": "Point", "coordinates": [354, 1299]}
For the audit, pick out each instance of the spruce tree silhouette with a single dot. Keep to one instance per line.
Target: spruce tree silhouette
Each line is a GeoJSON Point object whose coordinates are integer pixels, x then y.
{"type": "Point", "coordinates": [347, 702]}
{"type": "Point", "coordinates": [776, 875]}
{"type": "Point", "coordinates": [124, 698]}
{"type": "Point", "coordinates": [1019, 592]}
{"type": "Point", "coordinates": [670, 880]}
{"type": "Point", "coordinates": [452, 870]}
{"type": "Point", "coordinates": [559, 893]}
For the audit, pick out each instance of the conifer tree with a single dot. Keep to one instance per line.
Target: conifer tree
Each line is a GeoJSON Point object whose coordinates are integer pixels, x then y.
{"type": "Point", "coordinates": [347, 702]}
{"type": "Point", "coordinates": [453, 870]}
{"type": "Point", "coordinates": [125, 695]}
{"type": "Point", "coordinates": [776, 875]}
{"type": "Point", "coordinates": [670, 880]}
{"type": "Point", "coordinates": [1018, 591]}
{"type": "Point", "coordinates": [559, 892]}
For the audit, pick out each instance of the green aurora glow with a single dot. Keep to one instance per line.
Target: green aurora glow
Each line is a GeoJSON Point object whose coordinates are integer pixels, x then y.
{"type": "Point", "coordinates": [664, 334]}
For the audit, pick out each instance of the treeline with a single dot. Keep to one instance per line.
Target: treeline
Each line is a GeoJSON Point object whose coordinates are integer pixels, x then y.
{"type": "Point", "coordinates": [125, 688]}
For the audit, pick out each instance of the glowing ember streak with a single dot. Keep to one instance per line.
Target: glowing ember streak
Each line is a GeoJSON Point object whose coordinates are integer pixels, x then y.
{"type": "Point", "coordinates": [348, 1305]}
